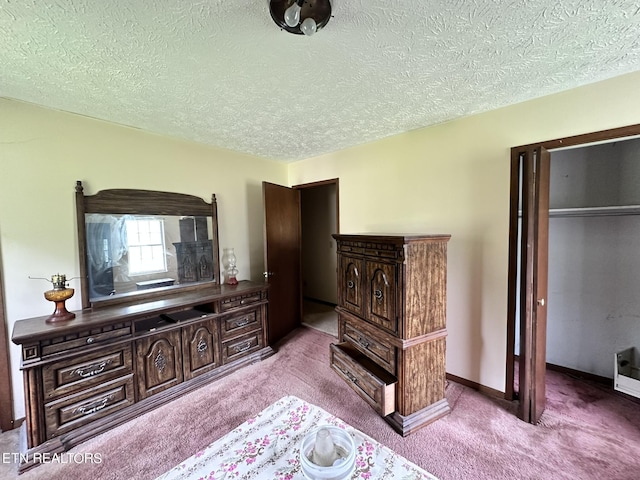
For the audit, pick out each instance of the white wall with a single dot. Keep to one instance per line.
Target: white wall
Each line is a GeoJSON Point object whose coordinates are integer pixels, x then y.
{"type": "Point", "coordinates": [594, 262]}
{"type": "Point", "coordinates": [319, 259]}
{"type": "Point", "coordinates": [454, 178]}
{"type": "Point", "coordinates": [42, 154]}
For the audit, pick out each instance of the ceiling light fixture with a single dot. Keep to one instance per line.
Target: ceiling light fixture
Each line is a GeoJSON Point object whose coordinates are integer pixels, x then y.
{"type": "Point", "coordinates": [300, 16]}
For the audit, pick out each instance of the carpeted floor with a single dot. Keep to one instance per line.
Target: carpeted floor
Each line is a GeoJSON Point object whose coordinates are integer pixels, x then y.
{"type": "Point", "coordinates": [320, 316]}
{"type": "Point", "coordinates": [584, 434]}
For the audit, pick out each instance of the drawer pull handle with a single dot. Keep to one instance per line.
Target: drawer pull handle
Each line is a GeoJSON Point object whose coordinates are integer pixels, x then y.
{"type": "Point", "coordinates": [90, 340]}
{"type": "Point", "coordinates": [363, 342]}
{"type": "Point", "coordinates": [350, 284]}
{"type": "Point", "coordinates": [243, 347]}
{"type": "Point", "coordinates": [93, 407]}
{"type": "Point", "coordinates": [349, 375]}
{"type": "Point", "coordinates": [242, 302]}
{"type": "Point", "coordinates": [242, 323]}
{"type": "Point", "coordinates": [202, 346]}
{"type": "Point", "coordinates": [378, 294]}
{"type": "Point", "coordinates": [91, 370]}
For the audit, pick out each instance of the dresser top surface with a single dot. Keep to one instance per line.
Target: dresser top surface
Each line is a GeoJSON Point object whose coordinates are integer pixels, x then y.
{"type": "Point", "coordinates": [36, 328]}
{"type": "Point", "coordinates": [392, 237]}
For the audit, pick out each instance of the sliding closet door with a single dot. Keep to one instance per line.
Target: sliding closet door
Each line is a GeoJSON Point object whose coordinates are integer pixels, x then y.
{"type": "Point", "coordinates": [533, 282]}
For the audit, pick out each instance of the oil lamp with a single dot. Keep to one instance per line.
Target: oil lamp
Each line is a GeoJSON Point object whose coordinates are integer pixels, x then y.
{"type": "Point", "coordinates": [59, 294]}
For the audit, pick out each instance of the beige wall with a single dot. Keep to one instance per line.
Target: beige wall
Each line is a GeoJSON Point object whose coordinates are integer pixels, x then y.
{"type": "Point", "coordinates": [454, 178]}
{"type": "Point", "coordinates": [451, 178]}
{"type": "Point", "coordinates": [42, 154]}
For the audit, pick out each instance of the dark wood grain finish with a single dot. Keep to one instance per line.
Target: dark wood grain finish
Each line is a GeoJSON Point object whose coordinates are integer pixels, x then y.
{"type": "Point", "coordinates": [36, 329]}
{"type": "Point", "coordinates": [240, 347]}
{"type": "Point", "coordinates": [370, 381]}
{"type": "Point", "coordinates": [232, 326]}
{"type": "Point", "coordinates": [74, 374]}
{"type": "Point", "coordinates": [423, 381]}
{"type": "Point", "coordinates": [6, 396]}
{"type": "Point", "coordinates": [351, 283]}
{"type": "Point", "coordinates": [401, 327]}
{"type": "Point", "coordinates": [200, 351]}
{"type": "Point", "coordinates": [382, 294]}
{"type": "Point", "coordinates": [140, 202]}
{"type": "Point", "coordinates": [369, 342]}
{"type": "Point", "coordinates": [159, 363]}
{"type": "Point", "coordinates": [241, 300]}
{"type": "Point", "coordinates": [93, 337]}
{"type": "Point", "coordinates": [425, 297]}
{"type": "Point", "coordinates": [160, 349]}
{"type": "Point", "coordinates": [73, 411]}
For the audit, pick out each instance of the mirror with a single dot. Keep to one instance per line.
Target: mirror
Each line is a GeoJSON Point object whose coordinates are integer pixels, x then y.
{"type": "Point", "coordinates": [136, 244]}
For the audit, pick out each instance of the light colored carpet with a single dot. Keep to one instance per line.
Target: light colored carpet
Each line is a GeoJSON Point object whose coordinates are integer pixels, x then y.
{"type": "Point", "coordinates": [320, 316]}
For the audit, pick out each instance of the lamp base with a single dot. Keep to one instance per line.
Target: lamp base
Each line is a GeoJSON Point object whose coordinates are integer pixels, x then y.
{"type": "Point", "coordinates": [59, 296]}
{"type": "Point", "coordinates": [61, 314]}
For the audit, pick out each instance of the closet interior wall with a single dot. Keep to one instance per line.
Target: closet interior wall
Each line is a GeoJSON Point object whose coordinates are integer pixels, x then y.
{"type": "Point", "coordinates": [594, 256]}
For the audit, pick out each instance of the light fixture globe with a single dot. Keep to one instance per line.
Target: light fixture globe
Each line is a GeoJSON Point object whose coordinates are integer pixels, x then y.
{"type": "Point", "coordinates": [302, 17]}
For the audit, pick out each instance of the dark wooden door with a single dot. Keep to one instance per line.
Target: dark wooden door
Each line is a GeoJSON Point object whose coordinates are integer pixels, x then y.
{"type": "Point", "coordinates": [6, 396]}
{"type": "Point", "coordinates": [282, 250]}
{"type": "Point", "coordinates": [533, 282]}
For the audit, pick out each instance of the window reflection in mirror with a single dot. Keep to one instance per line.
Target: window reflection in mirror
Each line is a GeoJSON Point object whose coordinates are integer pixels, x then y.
{"type": "Point", "coordinates": [132, 253]}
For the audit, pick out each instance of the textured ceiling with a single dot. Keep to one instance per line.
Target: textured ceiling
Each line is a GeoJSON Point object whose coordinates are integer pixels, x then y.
{"type": "Point", "coordinates": [222, 73]}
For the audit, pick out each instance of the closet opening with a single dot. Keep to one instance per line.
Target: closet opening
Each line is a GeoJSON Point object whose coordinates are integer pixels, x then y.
{"type": "Point", "coordinates": [572, 301]}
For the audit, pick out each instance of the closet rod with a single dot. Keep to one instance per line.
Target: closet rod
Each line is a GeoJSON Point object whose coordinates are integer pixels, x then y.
{"type": "Point", "coordinates": [593, 211]}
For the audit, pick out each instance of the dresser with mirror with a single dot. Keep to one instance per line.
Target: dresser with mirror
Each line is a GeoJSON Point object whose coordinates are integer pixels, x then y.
{"type": "Point", "coordinates": [157, 320]}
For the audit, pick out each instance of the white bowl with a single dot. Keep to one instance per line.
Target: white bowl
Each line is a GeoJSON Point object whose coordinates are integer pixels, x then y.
{"type": "Point", "coordinates": [343, 441]}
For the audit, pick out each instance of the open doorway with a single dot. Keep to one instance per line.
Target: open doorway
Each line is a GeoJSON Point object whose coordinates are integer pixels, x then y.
{"type": "Point", "coordinates": [319, 220]}
{"type": "Point", "coordinates": [527, 327]}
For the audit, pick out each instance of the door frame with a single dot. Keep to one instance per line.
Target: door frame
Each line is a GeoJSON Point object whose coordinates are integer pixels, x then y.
{"type": "Point", "coordinates": [305, 186]}
{"type": "Point", "coordinates": [322, 183]}
{"type": "Point", "coordinates": [7, 422]}
{"type": "Point", "coordinates": [513, 272]}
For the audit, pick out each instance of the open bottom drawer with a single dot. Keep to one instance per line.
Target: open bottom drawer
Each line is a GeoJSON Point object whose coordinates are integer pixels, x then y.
{"type": "Point", "coordinates": [375, 385]}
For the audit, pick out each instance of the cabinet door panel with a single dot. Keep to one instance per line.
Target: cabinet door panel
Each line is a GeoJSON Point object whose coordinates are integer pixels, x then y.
{"type": "Point", "coordinates": [382, 295]}
{"type": "Point", "coordinates": [350, 284]}
{"type": "Point", "coordinates": [159, 363]}
{"type": "Point", "coordinates": [200, 347]}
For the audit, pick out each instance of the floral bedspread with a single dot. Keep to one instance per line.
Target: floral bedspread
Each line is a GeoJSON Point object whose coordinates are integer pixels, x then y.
{"type": "Point", "coordinates": [267, 447]}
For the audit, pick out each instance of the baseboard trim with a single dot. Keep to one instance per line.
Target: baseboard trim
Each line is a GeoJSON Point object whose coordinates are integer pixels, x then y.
{"type": "Point", "coordinates": [492, 392]}
{"type": "Point", "coordinates": [323, 302]}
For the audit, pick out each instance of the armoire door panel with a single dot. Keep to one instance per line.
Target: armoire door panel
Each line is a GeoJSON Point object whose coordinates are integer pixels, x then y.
{"type": "Point", "coordinates": [382, 294]}
{"type": "Point", "coordinates": [350, 284]}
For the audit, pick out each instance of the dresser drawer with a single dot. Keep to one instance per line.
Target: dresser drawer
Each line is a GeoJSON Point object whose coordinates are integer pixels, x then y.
{"type": "Point", "coordinates": [76, 410]}
{"type": "Point", "coordinates": [72, 375]}
{"type": "Point", "coordinates": [235, 325]}
{"type": "Point", "coordinates": [240, 347]}
{"type": "Point", "coordinates": [368, 343]}
{"type": "Point", "coordinates": [82, 339]}
{"type": "Point", "coordinates": [375, 385]}
{"type": "Point", "coordinates": [240, 301]}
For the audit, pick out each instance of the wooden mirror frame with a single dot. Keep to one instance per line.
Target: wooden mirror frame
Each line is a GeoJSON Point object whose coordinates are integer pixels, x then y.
{"type": "Point", "coordinates": [141, 202]}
